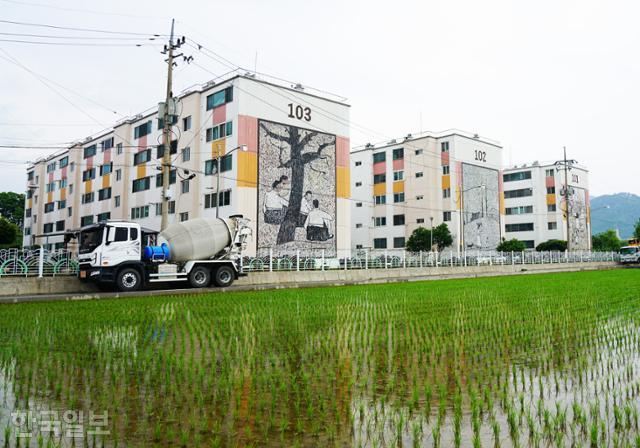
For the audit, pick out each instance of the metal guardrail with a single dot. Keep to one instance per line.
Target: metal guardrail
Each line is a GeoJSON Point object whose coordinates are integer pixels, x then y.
{"type": "Point", "coordinates": [37, 263]}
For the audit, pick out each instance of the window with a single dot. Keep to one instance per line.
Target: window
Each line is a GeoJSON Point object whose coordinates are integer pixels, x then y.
{"type": "Point", "coordinates": [379, 157]}
{"type": "Point", "coordinates": [220, 98]}
{"type": "Point", "coordinates": [172, 178]}
{"type": "Point", "coordinates": [133, 233]}
{"type": "Point", "coordinates": [142, 157]}
{"type": "Point", "coordinates": [379, 178]}
{"type": "Point", "coordinates": [398, 242]}
{"type": "Point", "coordinates": [552, 225]}
{"type": "Point", "coordinates": [379, 200]}
{"type": "Point", "coordinates": [523, 227]}
{"type": "Point", "coordinates": [60, 226]}
{"type": "Point", "coordinates": [69, 211]}
{"type": "Point", "coordinates": [27, 213]}
{"type": "Point", "coordinates": [160, 149]}
{"type": "Point", "coordinates": [30, 176]}
{"type": "Point", "coordinates": [398, 153]}
{"type": "Point", "coordinates": [575, 178]}
{"type": "Point", "coordinates": [358, 204]}
{"type": "Point", "coordinates": [48, 228]}
{"type": "Point", "coordinates": [549, 173]}
{"type": "Point", "coordinates": [117, 201]}
{"type": "Point", "coordinates": [106, 144]}
{"type": "Point", "coordinates": [219, 131]}
{"type": "Point", "coordinates": [358, 163]}
{"type": "Point", "coordinates": [210, 199]}
{"type": "Point", "coordinates": [521, 210]}
{"type": "Point", "coordinates": [141, 184]}
{"type": "Point", "coordinates": [64, 162]}
{"type": "Point", "coordinates": [89, 174]}
{"type": "Point", "coordinates": [358, 184]}
{"type": "Point", "coordinates": [520, 175]}
{"type": "Point", "coordinates": [121, 234]}
{"type": "Point", "coordinates": [104, 193]}
{"type": "Point", "coordinates": [398, 175]}
{"type": "Point", "coordinates": [551, 190]}
{"type": "Point", "coordinates": [379, 243]}
{"type": "Point", "coordinates": [226, 164]}
{"type": "Point", "coordinates": [72, 166]}
{"type": "Point", "coordinates": [529, 244]}
{"type": "Point", "coordinates": [551, 207]}
{"type": "Point", "coordinates": [418, 152]}
{"type": "Point", "coordinates": [174, 120]}
{"type": "Point", "coordinates": [184, 216]}
{"type": "Point", "coordinates": [380, 221]}
{"type": "Point", "coordinates": [358, 226]}
{"type": "Point", "coordinates": [444, 147]}
{"type": "Point", "coordinates": [118, 175]}
{"type": "Point", "coordinates": [419, 174]}
{"type": "Point", "coordinates": [62, 204]}
{"type": "Point", "coordinates": [398, 220]}
{"type": "Point", "coordinates": [50, 187]}
{"type": "Point", "coordinates": [445, 169]}
{"type": "Point", "coordinates": [521, 193]}
{"type": "Point", "coordinates": [358, 246]}
{"type": "Point", "coordinates": [446, 193]}
{"type": "Point", "coordinates": [49, 207]}
{"type": "Point", "coordinates": [140, 212]}
{"type": "Point", "coordinates": [446, 216]}
{"type": "Point", "coordinates": [86, 220]}
{"type": "Point", "coordinates": [398, 197]}
{"type": "Point", "coordinates": [63, 182]}
{"type": "Point", "coordinates": [142, 130]}
{"type": "Point", "coordinates": [27, 230]}
{"type": "Point", "coordinates": [29, 194]}
{"type": "Point", "coordinates": [172, 208]}
{"type": "Point", "coordinates": [420, 220]}
{"type": "Point", "coordinates": [87, 198]}
{"type": "Point", "coordinates": [419, 197]}
{"type": "Point", "coordinates": [119, 148]}
{"type": "Point", "coordinates": [186, 154]}
{"type": "Point", "coordinates": [106, 169]}
{"type": "Point", "coordinates": [90, 151]}
{"type": "Point", "coordinates": [186, 123]}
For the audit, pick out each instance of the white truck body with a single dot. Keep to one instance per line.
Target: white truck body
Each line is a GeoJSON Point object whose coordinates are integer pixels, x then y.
{"type": "Point", "coordinates": [630, 254]}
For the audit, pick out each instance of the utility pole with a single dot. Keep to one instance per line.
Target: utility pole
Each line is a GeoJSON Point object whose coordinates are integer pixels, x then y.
{"type": "Point", "coordinates": [166, 135]}
{"type": "Point", "coordinates": [566, 165]}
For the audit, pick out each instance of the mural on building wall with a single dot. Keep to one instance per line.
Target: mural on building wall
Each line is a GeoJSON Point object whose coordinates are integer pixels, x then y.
{"type": "Point", "coordinates": [579, 235]}
{"type": "Point", "coordinates": [296, 191]}
{"type": "Point", "coordinates": [481, 207]}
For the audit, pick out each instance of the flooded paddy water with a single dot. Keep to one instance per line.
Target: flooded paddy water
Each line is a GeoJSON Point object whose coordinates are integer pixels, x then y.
{"type": "Point", "coordinates": [544, 360]}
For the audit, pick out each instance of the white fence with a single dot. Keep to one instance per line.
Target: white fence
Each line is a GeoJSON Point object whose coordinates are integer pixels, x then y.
{"type": "Point", "coordinates": [37, 263]}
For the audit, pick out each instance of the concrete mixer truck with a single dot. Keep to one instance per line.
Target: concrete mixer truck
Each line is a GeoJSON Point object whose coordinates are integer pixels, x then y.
{"type": "Point", "coordinates": [199, 251]}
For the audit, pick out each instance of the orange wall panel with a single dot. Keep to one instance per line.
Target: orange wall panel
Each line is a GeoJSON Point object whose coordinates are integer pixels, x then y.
{"type": "Point", "coordinates": [398, 187]}
{"type": "Point", "coordinates": [380, 189]}
{"type": "Point", "coordinates": [218, 147]}
{"type": "Point", "coordinates": [105, 180]}
{"type": "Point", "coordinates": [446, 181]}
{"type": "Point", "coordinates": [551, 199]}
{"type": "Point", "coordinates": [247, 169]}
{"type": "Point", "coordinates": [343, 182]}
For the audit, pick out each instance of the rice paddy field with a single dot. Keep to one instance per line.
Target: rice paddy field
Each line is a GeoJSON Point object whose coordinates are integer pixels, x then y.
{"type": "Point", "coordinates": [539, 360]}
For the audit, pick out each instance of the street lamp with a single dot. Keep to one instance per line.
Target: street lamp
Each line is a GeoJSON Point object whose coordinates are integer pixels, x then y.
{"type": "Point", "coordinates": [243, 148]}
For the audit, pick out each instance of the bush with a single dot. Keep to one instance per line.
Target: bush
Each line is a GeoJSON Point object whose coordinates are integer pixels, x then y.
{"type": "Point", "coordinates": [513, 245]}
{"type": "Point", "coordinates": [552, 245]}
{"type": "Point", "coordinates": [8, 232]}
{"type": "Point", "coordinates": [420, 239]}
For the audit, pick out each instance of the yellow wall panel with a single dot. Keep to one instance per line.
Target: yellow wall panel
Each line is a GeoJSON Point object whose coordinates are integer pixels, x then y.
{"type": "Point", "coordinates": [218, 147]}
{"type": "Point", "coordinates": [247, 169]}
{"type": "Point", "coordinates": [398, 187]}
{"type": "Point", "coordinates": [343, 182]}
{"type": "Point", "coordinates": [50, 197]}
{"type": "Point", "coordinates": [551, 199]}
{"type": "Point", "coordinates": [63, 194]}
{"type": "Point", "coordinates": [502, 211]}
{"type": "Point", "coordinates": [87, 186]}
{"type": "Point", "coordinates": [105, 180]}
{"type": "Point", "coordinates": [446, 181]}
{"type": "Point", "coordinates": [141, 171]}
{"type": "Point", "coordinates": [379, 189]}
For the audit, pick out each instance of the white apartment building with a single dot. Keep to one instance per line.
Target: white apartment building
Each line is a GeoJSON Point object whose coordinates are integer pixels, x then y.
{"type": "Point", "coordinates": [425, 180]}
{"type": "Point", "coordinates": [283, 150]}
{"type": "Point", "coordinates": [535, 205]}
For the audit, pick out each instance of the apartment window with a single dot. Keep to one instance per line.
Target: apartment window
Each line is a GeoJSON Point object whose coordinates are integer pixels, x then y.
{"type": "Point", "coordinates": [48, 228]}
{"type": "Point", "coordinates": [549, 173]}
{"type": "Point", "coordinates": [186, 154]}
{"type": "Point", "coordinates": [358, 226]}
{"type": "Point", "coordinates": [358, 204]}
{"type": "Point", "coordinates": [419, 197]}
{"type": "Point", "coordinates": [520, 175]}
{"type": "Point", "coordinates": [118, 175]}
{"type": "Point", "coordinates": [103, 216]}
{"type": "Point", "coordinates": [522, 227]}
{"type": "Point", "coordinates": [89, 174]}
{"type": "Point", "coordinates": [184, 186]}
{"type": "Point", "coordinates": [72, 166]}
{"type": "Point", "coordinates": [63, 182]}
{"type": "Point", "coordinates": [398, 220]}
{"type": "Point", "coordinates": [186, 123]}
{"type": "Point", "coordinates": [418, 152]}
{"type": "Point", "coordinates": [142, 157]}
{"type": "Point", "coordinates": [104, 193]}
{"type": "Point", "coordinates": [398, 242]}
{"type": "Point", "coordinates": [226, 164]}
{"type": "Point", "coordinates": [521, 193]}
{"type": "Point", "coordinates": [171, 208]}
{"type": "Point", "coordinates": [27, 231]}
{"type": "Point", "coordinates": [551, 190]}
{"type": "Point", "coordinates": [50, 187]}
{"type": "Point", "coordinates": [29, 194]}
{"type": "Point", "coordinates": [119, 148]}
{"type": "Point", "coordinates": [419, 174]}
{"type": "Point", "coordinates": [219, 131]}
{"type": "Point", "coordinates": [60, 226]}
{"type": "Point", "coordinates": [88, 198]}
{"type": "Point", "coordinates": [219, 98]}
{"type": "Point", "coordinates": [575, 178]}
{"type": "Point", "coordinates": [358, 163]}
{"type": "Point", "coordinates": [420, 220]}
{"type": "Point", "coordinates": [184, 216]}
{"type": "Point", "coordinates": [49, 207]}
{"type": "Point", "coordinates": [522, 210]}
{"type": "Point", "coordinates": [86, 220]}
{"type": "Point", "coordinates": [551, 207]}
{"type": "Point", "coordinates": [142, 130]}
{"type": "Point", "coordinates": [141, 184]}
{"type": "Point", "coordinates": [117, 201]}
{"type": "Point", "coordinates": [140, 212]}
{"type": "Point", "coordinates": [552, 225]}
{"type": "Point", "coordinates": [398, 153]}
{"type": "Point", "coordinates": [64, 161]}
{"type": "Point", "coordinates": [444, 146]}
{"type": "Point", "coordinates": [210, 199]}
{"type": "Point", "coordinates": [379, 200]}
{"type": "Point", "coordinates": [106, 144]}
{"type": "Point", "coordinates": [172, 178]}
{"type": "Point", "coordinates": [173, 120]}
{"type": "Point", "coordinates": [445, 169]}
{"type": "Point", "coordinates": [62, 204]}
{"type": "Point", "coordinates": [446, 216]}
{"type": "Point", "coordinates": [380, 221]}
{"type": "Point", "coordinates": [379, 157]}
{"type": "Point", "coordinates": [70, 211]}
{"type": "Point", "coordinates": [30, 176]}
{"type": "Point", "coordinates": [446, 193]}
{"type": "Point", "coordinates": [160, 149]}
{"type": "Point", "coordinates": [90, 151]}
{"type": "Point", "coordinates": [398, 197]}
{"type": "Point", "coordinates": [358, 246]}
{"type": "Point", "coordinates": [358, 184]}
{"type": "Point", "coordinates": [106, 169]}
{"type": "Point", "coordinates": [379, 178]}
{"type": "Point", "coordinates": [398, 175]}
{"type": "Point", "coordinates": [379, 243]}
{"type": "Point", "coordinates": [27, 213]}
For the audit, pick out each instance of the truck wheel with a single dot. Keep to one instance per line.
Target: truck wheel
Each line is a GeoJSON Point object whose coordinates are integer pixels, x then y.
{"type": "Point", "coordinates": [224, 276]}
{"type": "Point", "coordinates": [129, 279]}
{"type": "Point", "coordinates": [199, 277]}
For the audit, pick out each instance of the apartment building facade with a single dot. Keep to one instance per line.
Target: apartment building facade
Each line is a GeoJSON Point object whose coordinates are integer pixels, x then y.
{"type": "Point", "coordinates": [283, 151]}
{"type": "Point", "coordinates": [423, 181]}
{"type": "Point", "coordinates": [535, 205]}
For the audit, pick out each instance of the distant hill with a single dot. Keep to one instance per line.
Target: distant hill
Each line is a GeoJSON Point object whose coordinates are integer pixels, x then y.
{"type": "Point", "coordinates": [622, 214]}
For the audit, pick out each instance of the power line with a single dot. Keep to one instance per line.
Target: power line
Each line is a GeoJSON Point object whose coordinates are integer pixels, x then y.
{"type": "Point", "coordinates": [67, 44]}
{"type": "Point", "coordinates": [86, 11]}
{"type": "Point", "coordinates": [89, 30]}
{"type": "Point", "coordinates": [52, 36]}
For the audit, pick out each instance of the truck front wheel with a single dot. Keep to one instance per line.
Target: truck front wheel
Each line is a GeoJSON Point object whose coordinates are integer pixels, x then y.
{"type": "Point", "coordinates": [224, 276]}
{"type": "Point", "coordinates": [199, 277]}
{"type": "Point", "coordinates": [129, 279]}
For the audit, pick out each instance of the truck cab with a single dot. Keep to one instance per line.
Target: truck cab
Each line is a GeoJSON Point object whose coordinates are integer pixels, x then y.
{"type": "Point", "coordinates": [630, 254]}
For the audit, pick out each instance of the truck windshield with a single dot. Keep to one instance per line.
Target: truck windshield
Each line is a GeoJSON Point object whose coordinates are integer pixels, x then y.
{"type": "Point", "coordinates": [90, 239]}
{"type": "Point", "coordinates": [628, 250]}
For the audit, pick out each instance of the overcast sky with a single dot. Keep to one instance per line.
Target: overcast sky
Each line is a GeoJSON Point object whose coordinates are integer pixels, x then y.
{"type": "Point", "coordinates": [535, 76]}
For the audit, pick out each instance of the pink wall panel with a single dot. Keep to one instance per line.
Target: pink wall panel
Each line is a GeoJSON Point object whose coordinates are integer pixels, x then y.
{"type": "Point", "coordinates": [379, 168]}
{"type": "Point", "coordinates": [248, 132]}
{"type": "Point", "coordinates": [444, 158]}
{"type": "Point", "coordinates": [342, 151]}
{"type": "Point", "coordinates": [549, 181]}
{"type": "Point", "coordinates": [219, 114]}
{"type": "Point", "coordinates": [398, 164]}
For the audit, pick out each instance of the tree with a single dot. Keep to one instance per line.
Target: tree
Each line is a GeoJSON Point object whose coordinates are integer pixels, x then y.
{"type": "Point", "coordinates": [12, 207]}
{"type": "Point", "coordinates": [606, 241]}
{"type": "Point", "coordinates": [636, 230]}
{"type": "Point", "coordinates": [559, 245]}
{"type": "Point", "coordinates": [512, 245]}
{"type": "Point", "coordinates": [297, 162]}
{"type": "Point", "coordinates": [9, 233]}
{"type": "Point", "coordinates": [420, 239]}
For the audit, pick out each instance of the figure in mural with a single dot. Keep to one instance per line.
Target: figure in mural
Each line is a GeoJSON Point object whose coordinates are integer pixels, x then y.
{"type": "Point", "coordinates": [305, 208]}
{"type": "Point", "coordinates": [318, 224]}
{"type": "Point", "coordinates": [275, 205]}
{"type": "Point", "coordinates": [578, 238]}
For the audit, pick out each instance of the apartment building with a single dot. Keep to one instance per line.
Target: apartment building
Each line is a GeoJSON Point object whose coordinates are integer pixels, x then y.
{"type": "Point", "coordinates": [535, 205]}
{"type": "Point", "coordinates": [283, 151]}
{"type": "Point", "coordinates": [423, 181]}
